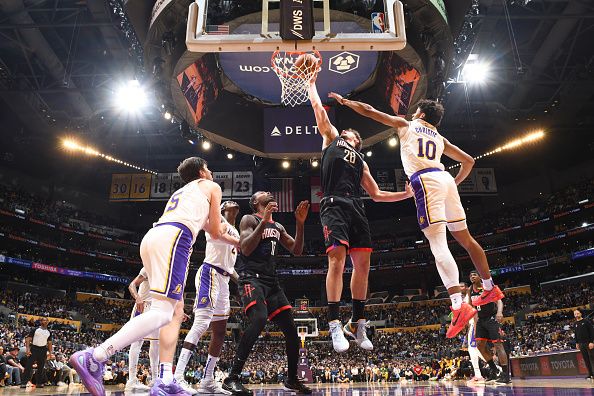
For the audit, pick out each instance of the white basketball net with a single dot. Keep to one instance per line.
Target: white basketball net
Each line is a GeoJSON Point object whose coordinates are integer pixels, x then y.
{"type": "Point", "coordinates": [294, 81]}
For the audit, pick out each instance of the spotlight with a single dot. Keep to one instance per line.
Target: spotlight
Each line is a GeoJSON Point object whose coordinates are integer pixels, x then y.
{"type": "Point", "coordinates": [392, 142]}
{"type": "Point", "coordinates": [315, 163]}
{"type": "Point", "coordinates": [206, 145]}
{"type": "Point", "coordinates": [286, 164]}
{"type": "Point", "coordinates": [369, 153]}
{"type": "Point", "coordinates": [584, 224]}
{"type": "Point", "coordinates": [70, 144]}
{"type": "Point", "coordinates": [191, 141]}
{"type": "Point", "coordinates": [475, 72]}
{"type": "Point", "coordinates": [131, 97]}
{"type": "Point", "coordinates": [229, 155]}
{"type": "Point", "coordinates": [167, 115]}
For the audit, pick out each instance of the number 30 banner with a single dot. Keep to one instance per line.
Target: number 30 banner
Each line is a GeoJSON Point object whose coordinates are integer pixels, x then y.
{"type": "Point", "coordinates": [143, 187]}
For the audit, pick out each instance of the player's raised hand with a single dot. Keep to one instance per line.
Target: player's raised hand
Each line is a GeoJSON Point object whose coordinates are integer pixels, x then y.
{"type": "Point", "coordinates": [336, 97]}
{"type": "Point", "coordinates": [301, 211]}
{"type": "Point", "coordinates": [271, 207]}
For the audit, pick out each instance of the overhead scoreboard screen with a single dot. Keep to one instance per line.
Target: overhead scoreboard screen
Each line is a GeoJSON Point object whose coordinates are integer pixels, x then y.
{"type": "Point", "coordinates": [148, 187]}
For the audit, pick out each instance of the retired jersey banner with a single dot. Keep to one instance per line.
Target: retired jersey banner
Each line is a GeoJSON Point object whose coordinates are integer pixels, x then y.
{"type": "Point", "coordinates": [243, 183]}
{"type": "Point", "coordinates": [225, 180]}
{"type": "Point", "coordinates": [316, 193]}
{"type": "Point", "coordinates": [146, 187]}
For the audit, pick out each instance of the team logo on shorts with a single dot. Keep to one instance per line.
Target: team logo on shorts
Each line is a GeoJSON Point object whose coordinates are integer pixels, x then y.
{"type": "Point", "coordinates": [178, 289]}
{"type": "Point", "coordinates": [421, 219]}
{"type": "Point", "coordinates": [203, 300]}
{"type": "Point", "coordinates": [248, 289]}
{"type": "Point", "coordinates": [327, 233]}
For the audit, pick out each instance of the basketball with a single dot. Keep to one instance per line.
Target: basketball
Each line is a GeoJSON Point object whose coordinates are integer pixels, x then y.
{"type": "Point", "coordinates": [306, 62]}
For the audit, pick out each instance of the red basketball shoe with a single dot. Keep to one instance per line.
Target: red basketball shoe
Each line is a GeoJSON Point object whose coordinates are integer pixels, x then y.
{"type": "Point", "coordinates": [459, 319]}
{"type": "Point", "coordinates": [488, 296]}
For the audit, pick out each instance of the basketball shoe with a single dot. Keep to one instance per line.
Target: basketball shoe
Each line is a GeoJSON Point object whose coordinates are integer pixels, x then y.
{"type": "Point", "coordinates": [459, 319]}
{"type": "Point", "coordinates": [185, 385]}
{"type": "Point", "coordinates": [339, 342]}
{"type": "Point", "coordinates": [488, 296]}
{"type": "Point", "coordinates": [173, 389]}
{"type": "Point", "coordinates": [210, 386]}
{"type": "Point", "coordinates": [359, 333]}
{"type": "Point", "coordinates": [89, 370]}
{"type": "Point", "coordinates": [233, 384]}
{"type": "Point", "coordinates": [296, 386]}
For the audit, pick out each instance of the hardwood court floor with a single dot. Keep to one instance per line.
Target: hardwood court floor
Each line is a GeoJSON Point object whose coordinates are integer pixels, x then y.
{"type": "Point", "coordinates": [547, 387]}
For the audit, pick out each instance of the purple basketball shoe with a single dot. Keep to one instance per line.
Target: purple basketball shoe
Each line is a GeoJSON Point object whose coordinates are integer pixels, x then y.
{"type": "Point", "coordinates": [173, 389]}
{"type": "Point", "coordinates": [89, 370]}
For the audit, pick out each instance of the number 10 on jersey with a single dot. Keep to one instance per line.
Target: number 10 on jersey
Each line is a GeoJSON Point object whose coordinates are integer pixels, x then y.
{"type": "Point", "coordinates": [427, 149]}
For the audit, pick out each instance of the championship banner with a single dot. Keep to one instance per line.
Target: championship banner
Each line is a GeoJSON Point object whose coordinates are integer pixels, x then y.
{"type": "Point", "coordinates": [385, 179]}
{"type": "Point", "coordinates": [480, 181]}
{"type": "Point", "coordinates": [140, 187]}
{"type": "Point", "coordinates": [225, 180]}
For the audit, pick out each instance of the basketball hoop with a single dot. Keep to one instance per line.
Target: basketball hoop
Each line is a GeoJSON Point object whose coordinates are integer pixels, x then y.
{"type": "Point", "coordinates": [294, 81]}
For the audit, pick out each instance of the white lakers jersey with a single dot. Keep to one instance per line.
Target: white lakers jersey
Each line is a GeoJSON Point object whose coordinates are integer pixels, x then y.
{"type": "Point", "coordinates": [144, 290]}
{"type": "Point", "coordinates": [421, 147]}
{"type": "Point", "coordinates": [188, 206]}
{"type": "Point", "coordinates": [221, 254]}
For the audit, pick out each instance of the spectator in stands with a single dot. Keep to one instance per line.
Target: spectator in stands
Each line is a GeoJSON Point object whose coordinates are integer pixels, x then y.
{"type": "Point", "coordinates": [15, 368]}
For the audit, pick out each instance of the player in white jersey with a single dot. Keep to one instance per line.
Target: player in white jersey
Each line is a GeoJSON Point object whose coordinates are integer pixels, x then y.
{"type": "Point", "coordinates": [212, 303]}
{"type": "Point", "coordinates": [470, 341]}
{"type": "Point", "coordinates": [165, 251]}
{"type": "Point", "coordinates": [140, 291]}
{"type": "Point", "coordinates": [437, 199]}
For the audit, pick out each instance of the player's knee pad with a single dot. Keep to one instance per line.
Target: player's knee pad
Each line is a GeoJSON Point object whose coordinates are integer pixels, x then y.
{"type": "Point", "coordinates": [164, 311]}
{"type": "Point", "coordinates": [202, 319]}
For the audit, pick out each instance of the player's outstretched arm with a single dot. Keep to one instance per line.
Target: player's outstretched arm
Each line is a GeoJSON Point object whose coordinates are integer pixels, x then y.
{"type": "Point", "coordinates": [368, 183]}
{"type": "Point", "coordinates": [327, 130]}
{"type": "Point", "coordinates": [369, 111]}
{"type": "Point", "coordinates": [295, 245]}
{"type": "Point", "coordinates": [465, 160]}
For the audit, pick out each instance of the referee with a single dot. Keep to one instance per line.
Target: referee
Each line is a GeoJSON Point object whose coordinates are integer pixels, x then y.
{"type": "Point", "coordinates": [38, 343]}
{"type": "Point", "coordinates": [584, 338]}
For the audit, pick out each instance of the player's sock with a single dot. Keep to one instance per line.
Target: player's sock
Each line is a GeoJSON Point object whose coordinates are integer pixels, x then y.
{"type": "Point", "coordinates": [492, 365]}
{"type": "Point", "coordinates": [184, 357]}
{"type": "Point", "coordinates": [358, 310]}
{"type": "Point", "coordinates": [446, 265]}
{"type": "Point", "coordinates": [133, 356]}
{"type": "Point", "coordinates": [333, 310]}
{"type": "Point", "coordinates": [159, 315]}
{"type": "Point", "coordinates": [154, 359]}
{"type": "Point", "coordinates": [456, 300]}
{"type": "Point", "coordinates": [165, 373]}
{"type": "Point", "coordinates": [474, 359]}
{"type": "Point", "coordinates": [209, 366]}
{"type": "Point", "coordinates": [488, 284]}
